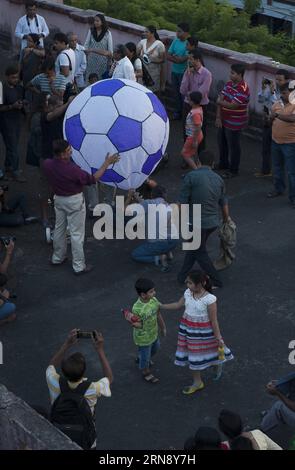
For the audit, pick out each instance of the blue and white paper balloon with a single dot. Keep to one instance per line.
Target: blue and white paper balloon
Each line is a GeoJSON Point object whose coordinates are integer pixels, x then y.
{"type": "Point", "coordinates": [117, 115]}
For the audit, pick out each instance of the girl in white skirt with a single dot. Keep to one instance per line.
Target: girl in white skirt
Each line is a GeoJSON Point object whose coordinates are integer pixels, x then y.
{"type": "Point", "coordinates": [199, 336]}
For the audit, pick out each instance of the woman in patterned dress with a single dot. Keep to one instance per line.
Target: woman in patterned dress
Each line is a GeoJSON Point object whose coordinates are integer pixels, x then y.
{"type": "Point", "coordinates": [199, 336]}
{"type": "Point", "coordinates": [98, 47]}
{"type": "Point", "coordinates": [152, 51]}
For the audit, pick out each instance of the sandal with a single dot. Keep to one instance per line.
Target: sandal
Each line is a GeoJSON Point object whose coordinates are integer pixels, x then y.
{"type": "Point", "coordinates": [150, 378]}
{"type": "Point", "coordinates": [192, 389]}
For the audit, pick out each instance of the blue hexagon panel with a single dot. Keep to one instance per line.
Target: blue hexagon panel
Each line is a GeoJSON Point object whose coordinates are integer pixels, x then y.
{"type": "Point", "coordinates": [125, 134]}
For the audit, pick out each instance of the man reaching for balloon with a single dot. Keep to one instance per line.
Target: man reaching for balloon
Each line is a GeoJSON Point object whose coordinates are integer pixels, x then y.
{"type": "Point", "coordinates": [67, 181]}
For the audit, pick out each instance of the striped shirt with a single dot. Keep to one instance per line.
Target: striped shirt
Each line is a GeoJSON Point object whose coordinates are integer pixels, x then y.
{"type": "Point", "coordinates": [43, 84]}
{"type": "Point", "coordinates": [239, 93]}
{"type": "Point", "coordinates": [95, 390]}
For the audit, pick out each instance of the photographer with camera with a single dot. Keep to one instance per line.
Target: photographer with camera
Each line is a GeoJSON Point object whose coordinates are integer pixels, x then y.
{"type": "Point", "coordinates": [71, 414]}
{"type": "Point", "coordinates": [269, 95]}
{"type": "Point", "coordinates": [14, 212]}
{"type": "Point", "coordinates": [7, 309]}
{"type": "Point", "coordinates": [11, 112]}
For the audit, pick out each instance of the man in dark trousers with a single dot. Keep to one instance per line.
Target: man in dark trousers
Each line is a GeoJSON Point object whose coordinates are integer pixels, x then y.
{"type": "Point", "coordinates": [203, 186]}
{"type": "Point", "coordinates": [11, 112]}
{"type": "Point", "coordinates": [67, 181]}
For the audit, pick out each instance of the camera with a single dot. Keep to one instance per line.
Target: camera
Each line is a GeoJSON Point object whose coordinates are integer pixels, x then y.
{"type": "Point", "coordinates": [146, 60]}
{"type": "Point", "coordinates": [85, 334]}
{"type": "Point", "coordinates": [6, 240]}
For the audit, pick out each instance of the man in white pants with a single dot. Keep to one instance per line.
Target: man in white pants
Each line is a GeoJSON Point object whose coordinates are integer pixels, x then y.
{"type": "Point", "coordinates": [67, 181]}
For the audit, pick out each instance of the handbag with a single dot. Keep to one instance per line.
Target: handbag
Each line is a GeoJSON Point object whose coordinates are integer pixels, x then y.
{"type": "Point", "coordinates": [146, 76]}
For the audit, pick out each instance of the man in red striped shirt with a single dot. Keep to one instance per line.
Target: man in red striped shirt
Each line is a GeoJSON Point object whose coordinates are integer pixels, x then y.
{"type": "Point", "coordinates": [232, 117]}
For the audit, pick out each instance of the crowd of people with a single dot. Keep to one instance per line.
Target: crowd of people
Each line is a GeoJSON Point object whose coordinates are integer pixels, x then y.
{"type": "Point", "coordinates": [38, 90]}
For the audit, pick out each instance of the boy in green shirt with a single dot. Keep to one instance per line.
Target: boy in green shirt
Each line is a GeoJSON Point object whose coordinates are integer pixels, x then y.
{"type": "Point", "coordinates": [145, 333]}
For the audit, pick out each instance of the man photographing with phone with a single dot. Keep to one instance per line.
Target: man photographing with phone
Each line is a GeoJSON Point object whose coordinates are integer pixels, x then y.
{"type": "Point", "coordinates": [67, 181]}
{"type": "Point", "coordinates": [71, 414]}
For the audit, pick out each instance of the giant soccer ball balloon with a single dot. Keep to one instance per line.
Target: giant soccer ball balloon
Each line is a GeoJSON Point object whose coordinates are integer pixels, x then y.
{"type": "Point", "coordinates": [117, 115]}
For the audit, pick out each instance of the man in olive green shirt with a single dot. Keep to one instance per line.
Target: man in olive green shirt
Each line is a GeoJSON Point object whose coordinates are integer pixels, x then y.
{"type": "Point", "coordinates": [146, 334]}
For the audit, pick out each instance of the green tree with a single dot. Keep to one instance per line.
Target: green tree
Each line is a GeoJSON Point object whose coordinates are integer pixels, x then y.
{"type": "Point", "coordinates": [215, 23]}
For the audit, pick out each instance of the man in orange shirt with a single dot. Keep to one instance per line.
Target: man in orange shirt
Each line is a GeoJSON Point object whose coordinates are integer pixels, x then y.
{"type": "Point", "coordinates": [283, 145]}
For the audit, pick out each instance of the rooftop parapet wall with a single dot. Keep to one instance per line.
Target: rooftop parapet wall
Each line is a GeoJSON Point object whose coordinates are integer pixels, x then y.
{"type": "Point", "coordinates": [24, 429]}
{"type": "Point", "coordinates": [217, 59]}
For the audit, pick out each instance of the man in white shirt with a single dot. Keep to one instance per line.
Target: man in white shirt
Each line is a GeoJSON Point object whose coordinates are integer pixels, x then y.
{"type": "Point", "coordinates": [31, 23]}
{"type": "Point", "coordinates": [123, 67]}
{"type": "Point", "coordinates": [65, 63]}
{"type": "Point", "coordinates": [81, 60]}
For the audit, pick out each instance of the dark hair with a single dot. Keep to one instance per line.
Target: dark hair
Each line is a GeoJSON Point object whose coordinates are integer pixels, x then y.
{"type": "Point", "coordinates": [61, 37]}
{"type": "Point", "coordinates": [54, 100]}
{"type": "Point", "coordinates": [190, 445]}
{"type": "Point", "coordinates": [104, 28]}
{"type": "Point", "coordinates": [12, 70]}
{"type": "Point", "coordinates": [3, 280]}
{"type": "Point", "coordinates": [207, 438]}
{"type": "Point", "coordinates": [184, 27]}
{"type": "Point", "coordinates": [197, 54]}
{"type": "Point", "coordinates": [93, 75]}
{"type": "Point", "coordinates": [230, 423]}
{"type": "Point", "coordinates": [142, 286]}
{"type": "Point", "coordinates": [152, 29]}
{"type": "Point", "coordinates": [196, 97]}
{"type": "Point", "coordinates": [283, 72]}
{"type": "Point", "coordinates": [193, 41]}
{"type": "Point", "coordinates": [238, 68]}
{"type": "Point", "coordinates": [241, 443]}
{"type": "Point", "coordinates": [206, 157]}
{"type": "Point", "coordinates": [199, 277]}
{"type": "Point", "coordinates": [73, 367]}
{"type": "Point", "coordinates": [159, 191]}
{"type": "Point", "coordinates": [121, 49]}
{"type": "Point", "coordinates": [30, 3]}
{"type": "Point", "coordinates": [284, 87]}
{"type": "Point", "coordinates": [131, 46]}
{"type": "Point", "coordinates": [59, 146]}
{"type": "Point", "coordinates": [48, 64]}
{"type": "Point", "coordinates": [35, 38]}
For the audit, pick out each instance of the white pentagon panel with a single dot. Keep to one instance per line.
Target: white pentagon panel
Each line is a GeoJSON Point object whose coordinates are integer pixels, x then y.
{"type": "Point", "coordinates": [78, 103]}
{"type": "Point", "coordinates": [153, 133]}
{"type": "Point", "coordinates": [98, 115]}
{"type": "Point", "coordinates": [133, 84]}
{"type": "Point", "coordinates": [80, 161]}
{"type": "Point", "coordinates": [131, 161]}
{"type": "Point", "coordinates": [134, 181]}
{"type": "Point", "coordinates": [95, 149]}
{"type": "Point", "coordinates": [139, 105]}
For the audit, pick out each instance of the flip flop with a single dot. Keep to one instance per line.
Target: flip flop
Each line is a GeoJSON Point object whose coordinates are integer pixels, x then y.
{"type": "Point", "coordinates": [150, 378]}
{"type": "Point", "coordinates": [192, 389]}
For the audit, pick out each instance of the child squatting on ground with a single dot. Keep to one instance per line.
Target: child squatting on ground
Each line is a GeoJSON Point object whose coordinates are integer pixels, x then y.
{"type": "Point", "coordinates": [193, 130]}
{"type": "Point", "coordinates": [199, 338]}
{"type": "Point", "coordinates": [146, 332]}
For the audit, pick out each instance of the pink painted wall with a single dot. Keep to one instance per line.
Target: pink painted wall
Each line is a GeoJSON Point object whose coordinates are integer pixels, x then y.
{"type": "Point", "coordinates": [217, 59]}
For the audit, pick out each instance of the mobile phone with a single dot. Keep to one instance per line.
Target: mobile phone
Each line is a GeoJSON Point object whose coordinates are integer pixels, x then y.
{"type": "Point", "coordinates": [85, 334]}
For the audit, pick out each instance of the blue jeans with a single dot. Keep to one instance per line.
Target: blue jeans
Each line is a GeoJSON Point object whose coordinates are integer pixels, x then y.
{"type": "Point", "coordinates": [6, 310]}
{"type": "Point", "coordinates": [176, 79]}
{"type": "Point", "coordinates": [146, 352]}
{"type": "Point", "coordinates": [283, 156]}
{"type": "Point", "coordinates": [147, 252]}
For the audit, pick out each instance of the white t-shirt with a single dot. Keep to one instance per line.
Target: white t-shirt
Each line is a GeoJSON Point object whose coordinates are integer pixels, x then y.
{"type": "Point", "coordinates": [66, 58]}
{"type": "Point", "coordinates": [198, 307]}
{"type": "Point", "coordinates": [124, 69]}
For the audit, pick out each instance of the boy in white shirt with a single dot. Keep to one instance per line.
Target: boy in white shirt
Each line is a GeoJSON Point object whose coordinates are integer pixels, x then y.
{"type": "Point", "coordinates": [81, 60]}
{"type": "Point", "coordinates": [122, 68]}
{"type": "Point", "coordinates": [65, 63]}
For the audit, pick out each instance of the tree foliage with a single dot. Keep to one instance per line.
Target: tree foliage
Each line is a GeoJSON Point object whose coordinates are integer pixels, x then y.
{"type": "Point", "coordinates": [215, 23]}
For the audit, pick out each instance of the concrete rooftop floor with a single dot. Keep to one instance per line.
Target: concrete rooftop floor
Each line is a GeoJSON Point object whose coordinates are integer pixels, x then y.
{"type": "Point", "coordinates": [256, 311]}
